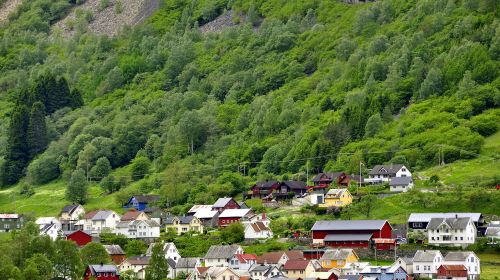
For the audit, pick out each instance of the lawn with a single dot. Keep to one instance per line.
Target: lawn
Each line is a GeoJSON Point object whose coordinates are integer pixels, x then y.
{"type": "Point", "coordinates": [490, 266]}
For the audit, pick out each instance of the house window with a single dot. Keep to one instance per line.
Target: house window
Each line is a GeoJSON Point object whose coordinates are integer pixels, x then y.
{"type": "Point", "coordinates": [419, 225]}
{"type": "Point", "coordinates": [6, 226]}
{"type": "Point", "coordinates": [418, 267]}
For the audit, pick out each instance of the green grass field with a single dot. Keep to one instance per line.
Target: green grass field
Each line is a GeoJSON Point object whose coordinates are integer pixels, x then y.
{"type": "Point", "coordinates": [490, 266]}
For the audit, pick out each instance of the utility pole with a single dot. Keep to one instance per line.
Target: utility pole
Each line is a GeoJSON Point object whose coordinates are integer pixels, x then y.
{"type": "Point", "coordinates": [360, 178]}
{"type": "Point", "coordinates": [307, 172]}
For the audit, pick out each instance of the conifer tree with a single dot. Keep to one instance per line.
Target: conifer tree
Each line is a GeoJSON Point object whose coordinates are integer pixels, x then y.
{"type": "Point", "coordinates": [37, 130]}
{"type": "Point", "coordinates": [17, 146]}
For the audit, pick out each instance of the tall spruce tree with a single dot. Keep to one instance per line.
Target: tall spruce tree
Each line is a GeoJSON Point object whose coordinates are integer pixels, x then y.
{"type": "Point", "coordinates": [17, 146]}
{"type": "Point", "coordinates": [37, 130]}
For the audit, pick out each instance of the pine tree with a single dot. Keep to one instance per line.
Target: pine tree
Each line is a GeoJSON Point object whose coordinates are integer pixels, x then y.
{"type": "Point", "coordinates": [17, 146]}
{"type": "Point", "coordinates": [158, 266]}
{"type": "Point", "coordinates": [37, 130]}
{"type": "Point", "coordinates": [76, 191]}
{"type": "Point", "coordinates": [373, 125]}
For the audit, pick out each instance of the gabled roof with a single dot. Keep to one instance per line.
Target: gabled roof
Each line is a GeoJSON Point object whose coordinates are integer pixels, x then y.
{"type": "Point", "coordinates": [102, 215]}
{"type": "Point", "coordinates": [46, 220]}
{"type": "Point", "coordinates": [200, 207]}
{"type": "Point", "coordinates": [266, 184]}
{"type": "Point", "coordinates": [150, 223]}
{"type": "Point", "coordinates": [187, 262]}
{"type": "Point", "coordinates": [9, 216]}
{"type": "Point", "coordinates": [337, 254]}
{"type": "Point", "coordinates": [166, 247]}
{"type": "Point", "coordinates": [71, 232]}
{"type": "Point", "coordinates": [131, 215]}
{"type": "Point", "coordinates": [70, 208]}
{"type": "Point", "coordinates": [350, 277]}
{"type": "Point", "coordinates": [425, 255]}
{"type": "Point", "coordinates": [331, 176]}
{"type": "Point", "coordinates": [234, 213]}
{"type": "Point", "coordinates": [271, 257]}
{"type": "Point", "coordinates": [349, 225]}
{"type": "Point", "coordinates": [205, 213]}
{"type": "Point", "coordinates": [294, 254]}
{"type": "Point", "coordinates": [222, 202]}
{"type": "Point", "coordinates": [245, 258]}
{"type": "Point", "coordinates": [407, 260]}
{"type": "Point", "coordinates": [336, 193]}
{"type": "Point", "coordinates": [114, 249]}
{"type": "Point", "coordinates": [146, 198]}
{"type": "Point", "coordinates": [103, 268]}
{"type": "Point", "coordinates": [259, 226]}
{"type": "Point", "coordinates": [296, 265]}
{"type": "Point", "coordinates": [90, 214]}
{"type": "Point", "coordinates": [171, 263]}
{"type": "Point", "coordinates": [453, 223]}
{"type": "Point", "coordinates": [454, 267]}
{"type": "Point", "coordinates": [138, 260]}
{"type": "Point", "coordinates": [348, 237]}
{"type": "Point", "coordinates": [400, 181]}
{"type": "Point", "coordinates": [295, 185]}
{"type": "Point", "coordinates": [458, 256]}
{"type": "Point", "coordinates": [390, 169]}
{"type": "Point", "coordinates": [221, 251]}
{"type": "Point", "coordinates": [426, 217]}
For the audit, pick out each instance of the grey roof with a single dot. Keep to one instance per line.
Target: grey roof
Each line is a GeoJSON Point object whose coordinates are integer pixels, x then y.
{"type": "Point", "coordinates": [391, 169]}
{"type": "Point", "coordinates": [350, 277]}
{"type": "Point", "coordinates": [182, 219]}
{"type": "Point", "coordinates": [401, 181]}
{"type": "Point", "coordinates": [331, 176]}
{"type": "Point", "coordinates": [150, 223]}
{"type": "Point", "coordinates": [114, 250]}
{"type": "Point", "coordinates": [337, 254]}
{"type": "Point", "coordinates": [349, 225]}
{"type": "Point", "coordinates": [69, 232]}
{"type": "Point", "coordinates": [458, 256]}
{"type": "Point", "coordinates": [221, 202]}
{"type": "Point", "coordinates": [453, 223]}
{"type": "Point", "coordinates": [426, 217]}
{"type": "Point", "coordinates": [295, 185]}
{"type": "Point", "coordinates": [492, 231]}
{"type": "Point", "coordinates": [407, 260]}
{"type": "Point", "coordinates": [187, 262]}
{"type": "Point", "coordinates": [123, 224]}
{"type": "Point", "coordinates": [102, 215]}
{"type": "Point", "coordinates": [259, 268]}
{"type": "Point", "coordinates": [171, 263]}
{"type": "Point", "coordinates": [69, 208]}
{"type": "Point", "coordinates": [425, 255]}
{"type": "Point", "coordinates": [348, 237]}
{"type": "Point", "coordinates": [147, 198]}
{"type": "Point", "coordinates": [166, 247]}
{"type": "Point", "coordinates": [221, 251]}
{"type": "Point", "coordinates": [266, 184]}
{"type": "Point", "coordinates": [98, 268]}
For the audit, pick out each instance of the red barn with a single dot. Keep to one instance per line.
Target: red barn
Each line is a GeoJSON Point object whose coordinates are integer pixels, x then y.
{"type": "Point", "coordinates": [351, 233]}
{"type": "Point", "coordinates": [80, 237]}
{"type": "Point", "coordinates": [313, 254]}
{"type": "Point", "coordinates": [230, 216]}
{"type": "Point", "coordinates": [451, 271]}
{"type": "Point", "coordinates": [225, 203]}
{"type": "Point", "coordinates": [101, 272]}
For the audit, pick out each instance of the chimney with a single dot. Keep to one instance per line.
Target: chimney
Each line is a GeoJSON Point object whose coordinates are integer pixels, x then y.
{"type": "Point", "coordinates": [456, 216]}
{"type": "Point", "coordinates": [264, 215]}
{"type": "Point", "coordinates": [102, 264]}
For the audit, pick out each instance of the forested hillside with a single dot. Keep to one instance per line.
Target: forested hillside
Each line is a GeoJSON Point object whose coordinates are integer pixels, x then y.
{"type": "Point", "coordinates": [295, 86]}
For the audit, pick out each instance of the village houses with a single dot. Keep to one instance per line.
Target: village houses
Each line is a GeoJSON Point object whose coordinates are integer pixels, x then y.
{"type": "Point", "coordinates": [337, 198]}
{"type": "Point", "coordinates": [383, 173]}
{"type": "Point", "coordinates": [338, 258]}
{"type": "Point", "coordinates": [451, 231]}
{"type": "Point", "coordinates": [183, 224]}
{"type": "Point", "coordinates": [426, 263]}
{"type": "Point", "coordinates": [221, 255]}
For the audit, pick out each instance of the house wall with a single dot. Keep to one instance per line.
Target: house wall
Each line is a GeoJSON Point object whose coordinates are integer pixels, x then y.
{"type": "Point", "coordinates": [80, 238]}
{"type": "Point", "coordinates": [442, 272]}
{"type": "Point", "coordinates": [117, 259]}
{"type": "Point", "coordinates": [384, 232]}
{"type": "Point", "coordinates": [401, 188]}
{"type": "Point", "coordinates": [108, 276]}
{"type": "Point", "coordinates": [347, 244]}
{"type": "Point", "coordinates": [457, 237]}
{"type": "Point", "coordinates": [427, 269]}
{"type": "Point", "coordinates": [217, 262]}
{"type": "Point", "coordinates": [403, 172]}
{"type": "Point", "coordinates": [7, 225]}
{"type": "Point", "coordinates": [472, 263]}
{"type": "Point", "coordinates": [224, 222]}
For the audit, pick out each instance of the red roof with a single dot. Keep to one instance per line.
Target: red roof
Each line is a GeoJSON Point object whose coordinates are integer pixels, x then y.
{"type": "Point", "coordinates": [131, 215]}
{"type": "Point", "coordinates": [271, 258]}
{"type": "Point", "coordinates": [296, 265]}
{"type": "Point", "coordinates": [454, 267]}
{"type": "Point", "coordinates": [384, 241]}
{"type": "Point", "coordinates": [91, 214]}
{"type": "Point", "coordinates": [244, 258]}
{"type": "Point", "coordinates": [202, 269]}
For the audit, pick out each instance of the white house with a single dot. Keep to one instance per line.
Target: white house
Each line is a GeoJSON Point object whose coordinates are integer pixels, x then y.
{"type": "Point", "coordinates": [136, 264]}
{"type": "Point", "coordinates": [426, 263]}
{"type": "Point", "coordinates": [257, 230]}
{"type": "Point", "coordinates": [50, 226]}
{"type": "Point", "coordinates": [242, 261]}
{"type": "Point", "coordinates": [467, 259]}
{"type": "Point", "coordinates": [97, 221]}
{"type": "Point", "coordinates": [264, 271]}
{"type": "Point", "coordinates": [72, 212]}
{"type": "Point", "coordinates": [401, 184]}
{"type": "Point", "coordinates": [406, 263]}
{"type": "Point", "coordinates": [221, 255]}
{"type": "Point", "coordinates": [384, 173]}
{"type": "Point", "coordinates": [139, 229]}
{"type": "Point", "coordinates": [187, 266]}
{"type": "Point", "coordinates": [169, 250]}
{"type": "Point", "coordinates": [451, 231]}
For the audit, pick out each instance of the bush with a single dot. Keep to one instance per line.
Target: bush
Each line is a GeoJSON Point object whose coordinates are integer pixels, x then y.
{"type": "Point", "coordinates": [26, 190]}
{"type": "Point", "coordinates": [140, 167]}
{"type": "Point", "coordinates": [43, 169]}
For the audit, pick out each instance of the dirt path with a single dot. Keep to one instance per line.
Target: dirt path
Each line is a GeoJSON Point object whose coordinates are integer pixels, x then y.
{"type": "Point", "coordinates": [8, 7]}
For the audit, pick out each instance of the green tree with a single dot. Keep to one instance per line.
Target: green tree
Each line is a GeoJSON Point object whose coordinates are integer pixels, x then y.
{"type": "Point", "coordinates": [76, 191]}
{"type": "Point", "coordinates": [101, 168]}
{"type": "Point", "coordinates": [37, 129]}
{"type": "Point", "coordinates": [109, 184]}
{"type": "Point", "coordinates": [94, 253]}
{"type": "Point", "coordinates": [432, 85]}
{"type": "Point", "coordinates": [67, 262]}
{"type": "Point", "coordinates": [366, 204]}
{"type": "Point", "coordinates": [374, 125]}
{"type": "Point", "coordinates": [135, 248]}
{"type": "Point", "coordinates": [234, 233]}
{"type": "Point", "coordinates": [158, 266]}
{"type": "Point", "coordinates": [17, 155]}
{"type": "Point", "coordinates": [140, 167]}
{"type": "Point", "coordinates": [40, 267]}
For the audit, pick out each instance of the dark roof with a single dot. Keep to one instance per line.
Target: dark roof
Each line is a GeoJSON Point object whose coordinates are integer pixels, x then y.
{"type": "Point", "coordinates": [146, 198]}
{"type": "Point", "coordinates": [70, 232]}
{"type": "Point", "coordinates": [266, 184]}
{"type": "Point", "coordinates": [348, 237]}
{"type": "Point", "coordinates": [454, 267]}
{"type": "Point", "coordinates": [171, 263]}
{"type": "Point", "coordinates": [391, 169]}
{"type": "Point", "coordinates": [331, 176]}
{"type": "Point", "coordinates": [453, 223]}
{"type": "Point", "coordinates": [102, 268]}
{"type": "Point", "coordinates": [349, 225]}
{"type": "Point", "coordinates": [350, 277]}
{"type": "Point", "coordinates": [295, 185]}
{"type": "Point", "coordinates": [400, 181]}
{"type": "Point", "coordinates": [131, 215]}
{"type": "Point", "coordinates": [221, 251]}
{"type": "Point", "coordinates": [458, 255]}
{"type": "Point", "coordinates": [139, 260]}
{"type": "Point", "coordinates": [114, 250]}
{"type": "Point", "coordinates": [294, 255]}
{"type": "Point", "coordinates": [186, 219]}
{"type": "Point", "coordinates": [69, 208]}
{"type": "Point", "coordinates": [187, 262]}
{"type": "Point", "coordinates": [425, 255]}
{"type": "Point", "coordinates": [271, 257]}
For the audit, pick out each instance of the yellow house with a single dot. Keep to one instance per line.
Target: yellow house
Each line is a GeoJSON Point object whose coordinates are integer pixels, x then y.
{"type": "Point", "coordinates": [337, 198]}
{"type": "Point", "coordinates": [184, 224]}
{"type": "Point", "coordinates": [300, 268]}
{"type": "Point", "coordinates": [337, 258]}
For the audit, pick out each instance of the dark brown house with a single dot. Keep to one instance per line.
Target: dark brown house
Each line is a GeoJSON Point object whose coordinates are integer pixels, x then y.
{"type": "Point", "coordinates": [264, 189]}
{"type": "Point", "coordinates": [338, 178]}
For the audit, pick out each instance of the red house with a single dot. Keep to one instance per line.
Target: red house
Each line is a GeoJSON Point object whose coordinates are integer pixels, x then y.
{"type": "Point", "coordinates": [313, 254]}
{"type": "Point", "coordinates": [451, 271]}
{"type": "Point", "coordinates": [230, 216]}
{"type": "Point", "coordinates": [338, 178]}
{"type": "Point", "coordinates": [264, 189]}
{"type": "Point", "coordinates": [350, 233]}
{"type": "Point", "coordinates": [225, 203]}
{"type": "Point", "coordinates": [116, 253]}
{"type": "Point", "coordinates": [101, 272]}
{"type": "Point", "coordinates": [80, 237]}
